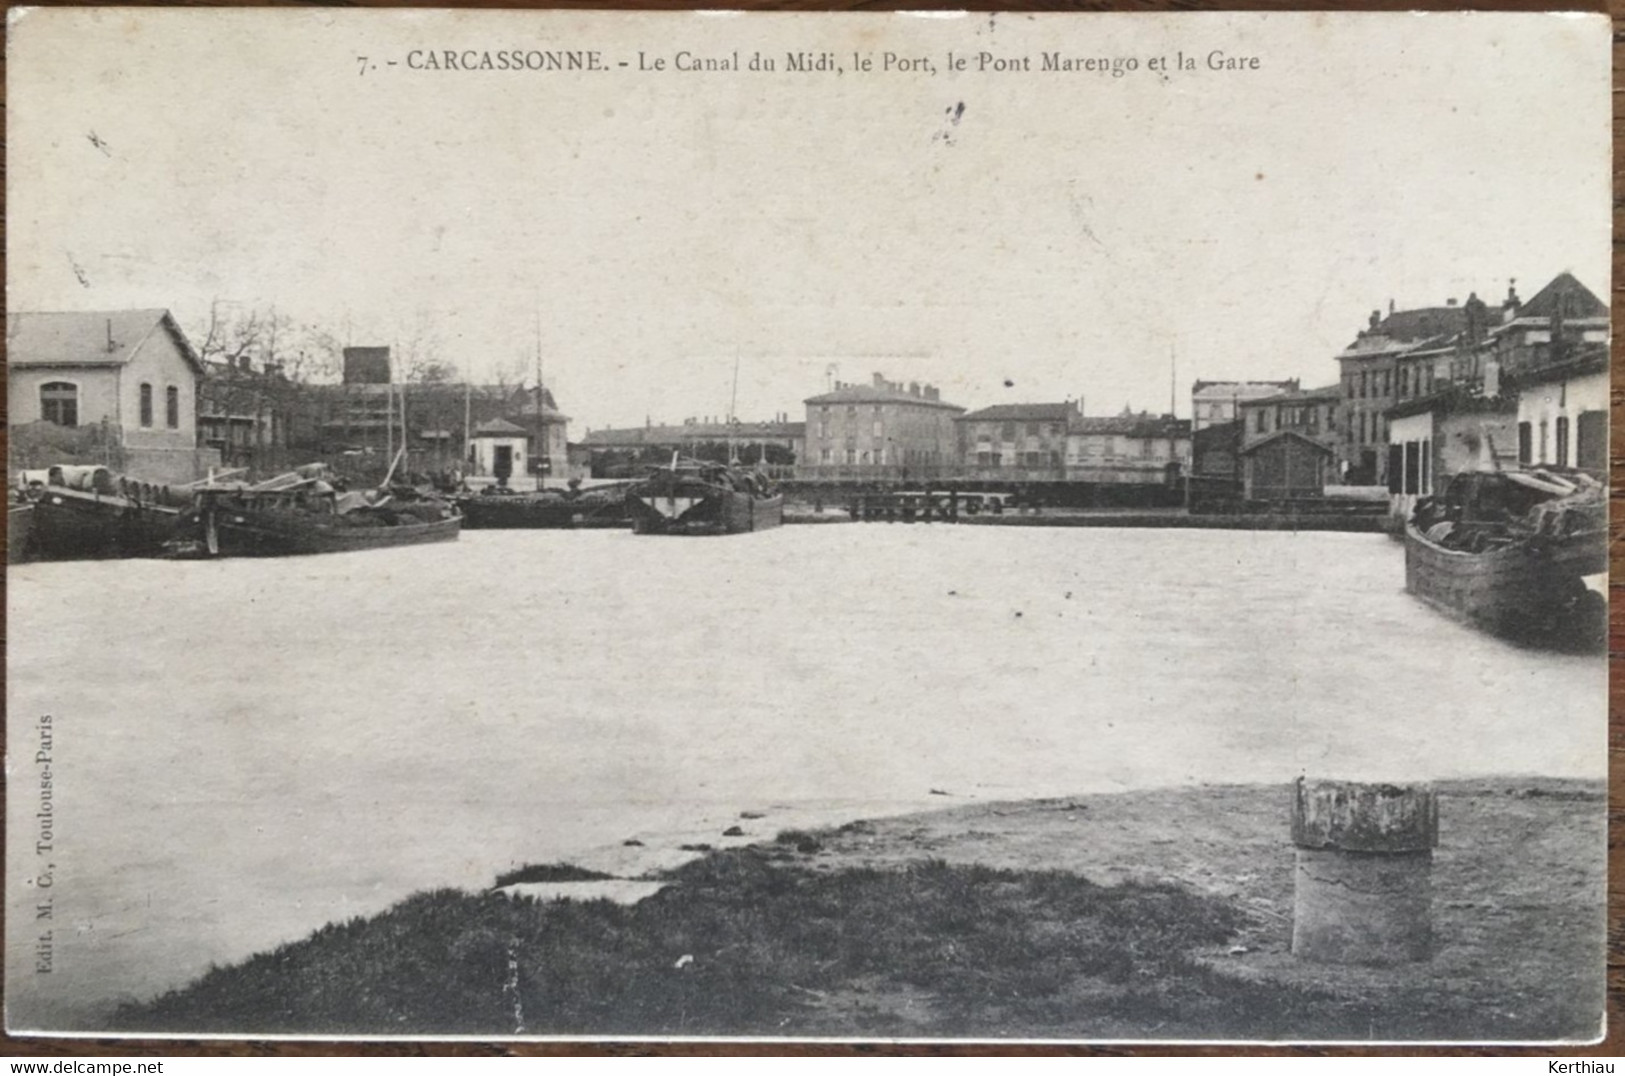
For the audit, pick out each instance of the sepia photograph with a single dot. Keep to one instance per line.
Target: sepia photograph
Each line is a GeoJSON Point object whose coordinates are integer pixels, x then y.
{"type": "Point", "coordinates": [873, 527]}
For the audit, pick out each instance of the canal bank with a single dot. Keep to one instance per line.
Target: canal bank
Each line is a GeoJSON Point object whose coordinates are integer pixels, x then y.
{"type": "Point", "coordinates": [1158, 914]}
{"type": "Point", "coordinates": [1131, 519]}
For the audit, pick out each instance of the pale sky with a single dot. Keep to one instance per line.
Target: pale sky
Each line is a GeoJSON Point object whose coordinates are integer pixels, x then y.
{"type": "Point", "coordinates": [1069, 233]}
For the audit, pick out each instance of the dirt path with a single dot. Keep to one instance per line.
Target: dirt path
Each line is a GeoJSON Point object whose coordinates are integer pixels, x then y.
{"type": "Point", "coordinates": [1518, 899]}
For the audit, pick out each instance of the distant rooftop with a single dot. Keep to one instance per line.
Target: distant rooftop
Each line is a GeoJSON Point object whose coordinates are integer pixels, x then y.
{"type": "Point", "coordinates": [693, 431]}
{"type": "Point", "coordinates": [879, 390]}
{"type": "Point", "coordinates": [1022, 412]}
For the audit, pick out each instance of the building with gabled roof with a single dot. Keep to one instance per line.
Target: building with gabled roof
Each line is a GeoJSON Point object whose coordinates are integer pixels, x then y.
{"type": "Point", "coordinates": [1285, 465]}
{"type": "Point", "coordinates": [132, 372]}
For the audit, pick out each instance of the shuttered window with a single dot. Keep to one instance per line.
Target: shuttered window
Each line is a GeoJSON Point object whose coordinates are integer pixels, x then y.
{"type": "Point", "coordinates": [1591, 445]}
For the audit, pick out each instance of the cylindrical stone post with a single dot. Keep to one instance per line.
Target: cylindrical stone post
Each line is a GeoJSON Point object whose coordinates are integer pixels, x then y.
{"type": "Point", "coordinates": [1363, 885]}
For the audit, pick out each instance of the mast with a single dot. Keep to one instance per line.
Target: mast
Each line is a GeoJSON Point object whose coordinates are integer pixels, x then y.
{"type": "Point", "coordinates": [541, 412]}
{"type": "Point", "coordinates": [389, 410]}
{"type": "Point", "coordinates": [468, 416]}
{"type": "Point", "coordinates": [733, 416]}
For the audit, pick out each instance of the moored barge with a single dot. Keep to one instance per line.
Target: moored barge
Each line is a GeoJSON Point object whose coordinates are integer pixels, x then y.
{"type": "Point", "coordinates": [696, 497]}
{"type": "Point", "coordinates": [1509, 553]}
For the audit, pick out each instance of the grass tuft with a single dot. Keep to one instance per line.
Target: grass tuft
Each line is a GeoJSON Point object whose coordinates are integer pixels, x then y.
{"type": "Point", "coordinates": [550, 872]}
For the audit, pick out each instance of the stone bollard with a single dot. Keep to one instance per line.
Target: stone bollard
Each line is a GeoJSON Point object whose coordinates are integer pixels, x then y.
{"type": "Point", "coordinates": [1363, 885]}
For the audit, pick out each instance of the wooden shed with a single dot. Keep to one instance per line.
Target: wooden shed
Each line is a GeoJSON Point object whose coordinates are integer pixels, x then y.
{"type": "Point", "coordinates": [1285, 466]}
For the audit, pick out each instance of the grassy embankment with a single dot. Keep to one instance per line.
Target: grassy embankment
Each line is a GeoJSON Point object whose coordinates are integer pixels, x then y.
{"type": "Point", "coordinates": [893, 929]}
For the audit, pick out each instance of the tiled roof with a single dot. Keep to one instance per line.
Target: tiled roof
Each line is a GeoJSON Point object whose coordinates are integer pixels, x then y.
{"type": "Point", "coordinates": [1587, 360]}
{"type": "Point", "coordinates": [1425, 323]}
{"type": "Point", "coordinates": [88, 337]}
{"type": "Point", "coordinates": [1578, 300]}
{"type": "Point", "coordinates": [694, 431]}
{"type": "Point", "coordinates": [1278, 434]}
{"type": "Point", "coordinates": [1325, 392]}
{"type": "Point", "coordinates": [1226, 390]}
{"type": "Point", "coordinates": [1455, 400]}
{"type": "Point", "coordinates": [1408, 330]}
{"type": "Point", "coordinates": [870, 394]}
{"type": "Point", "coordinates": [500, 427]}
{"type": "Point", "coordinates": [1028, 412]}
{"type": "Point", "coordinates": [1133, 426]}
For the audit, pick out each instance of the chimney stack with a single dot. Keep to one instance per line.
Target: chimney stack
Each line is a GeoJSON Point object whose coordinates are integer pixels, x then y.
{"type": "Point", "coordinates": [880, 381]}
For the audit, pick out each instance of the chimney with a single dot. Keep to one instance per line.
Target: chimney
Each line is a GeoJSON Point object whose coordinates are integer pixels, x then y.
{"type": "Point", "coordinates": [1477, 318]}
{"type": "Point", "coordinates": [1512, 300]}
{"type": "Point", "coordinates": [110, 345]}
{"type": "Point", "coordinates": [1390, 308]}
{"type": "Point", "coordinates": [1450, 301]}
{"type": "Point", "coordinates": [913, 388]}
{"type": "Point", "coordinates": [932, 393]}
{"type": "Point", "coordinates": [1376, 319]}
{"type": "Point", "coordinates": [880, 381]}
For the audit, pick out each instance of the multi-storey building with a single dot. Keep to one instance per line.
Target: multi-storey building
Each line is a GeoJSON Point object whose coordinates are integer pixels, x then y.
{"type": "Point", "coordinates": [1214, 403]}
{"type": "Point", "coordinates": [1447, 362]}
{"type": "Point", "coordinates": [1017, 440]}
{"type": "Point", "coordinates": [1310, 412]}
{"type": "Point", "coordinates": [1139, 449]}
{"type": "Point", "coordinates": [880, 430]}
{"type": "Point", "coordinates": [1394, 358]}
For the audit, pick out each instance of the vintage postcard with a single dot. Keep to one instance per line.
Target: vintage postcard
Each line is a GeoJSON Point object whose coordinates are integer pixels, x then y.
{"type": "Point", "coordinates": [869, 526]}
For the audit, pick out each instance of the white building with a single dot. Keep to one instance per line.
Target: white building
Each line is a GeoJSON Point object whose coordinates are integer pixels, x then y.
{"type": "Point", "coordinates": [1214, 403]}
{"type": "Point", "coordinates": [500, 449]}
{"type": "Point", "coordinates": [1563, 413]}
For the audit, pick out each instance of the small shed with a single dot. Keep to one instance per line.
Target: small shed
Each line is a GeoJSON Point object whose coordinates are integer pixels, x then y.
{"type": "Point", "coordinates": [499, 449]}
{"type": "Point", "coordinates": [1284, 466]}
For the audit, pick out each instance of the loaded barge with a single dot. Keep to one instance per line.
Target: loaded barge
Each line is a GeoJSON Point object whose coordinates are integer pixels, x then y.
{"type": "Point", "coordinates": [1509, 552]}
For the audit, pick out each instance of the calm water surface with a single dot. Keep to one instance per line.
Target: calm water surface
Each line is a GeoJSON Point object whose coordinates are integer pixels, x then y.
{"type": "Point", "coordinates": [245, 750]}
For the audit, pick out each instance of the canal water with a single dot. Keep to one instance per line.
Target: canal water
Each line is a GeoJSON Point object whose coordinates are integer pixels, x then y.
{"type": "Point", "coordinates": [242, 751]}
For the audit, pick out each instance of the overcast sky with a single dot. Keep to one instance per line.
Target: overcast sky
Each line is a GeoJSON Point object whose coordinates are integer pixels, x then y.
{"type": "Point", "coordinates": [1069, 233]}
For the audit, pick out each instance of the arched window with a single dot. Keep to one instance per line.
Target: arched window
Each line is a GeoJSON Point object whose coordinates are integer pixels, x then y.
{"type": "Point", "coordinates": [146, 404]}
{"type": "Point", "coordinates": [172, 407]}
{"type": "Point", "coordinates": [59, 403]}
